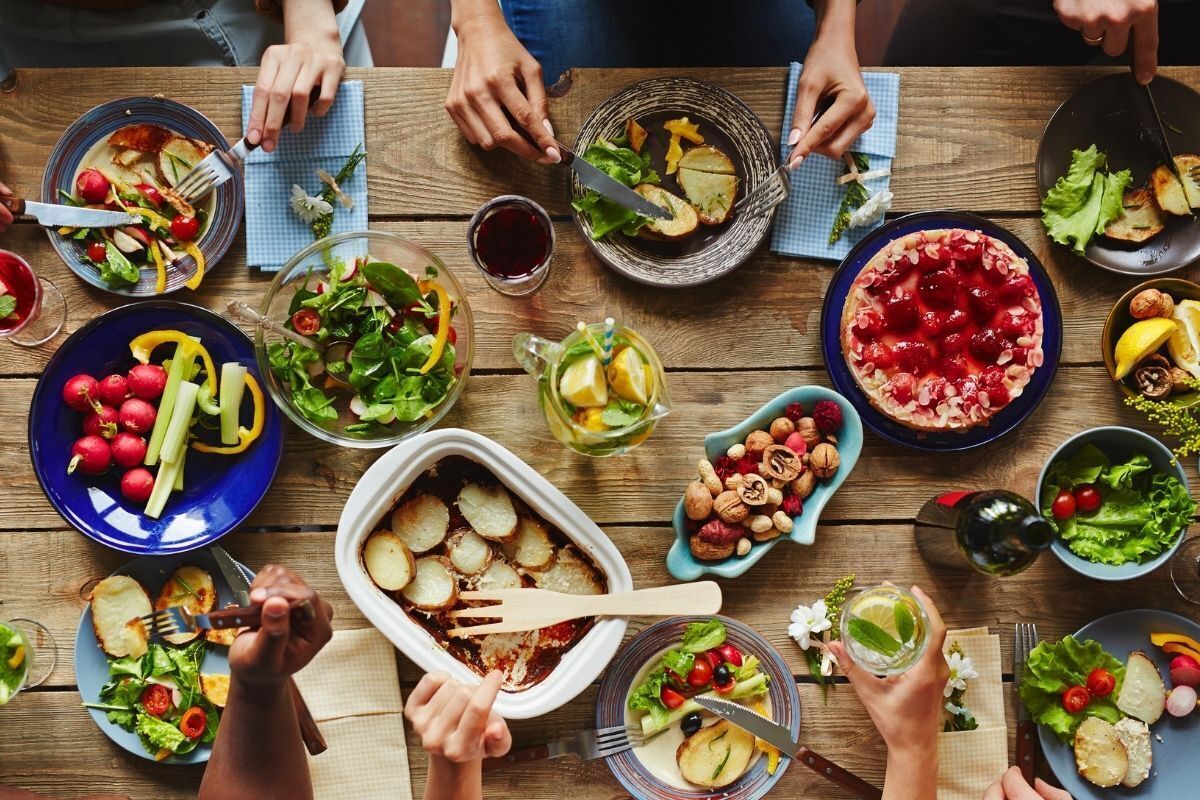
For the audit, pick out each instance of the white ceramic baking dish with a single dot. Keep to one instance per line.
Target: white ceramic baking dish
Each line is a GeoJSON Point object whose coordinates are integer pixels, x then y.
{"type": "Point", "coordinates": [388, 479]}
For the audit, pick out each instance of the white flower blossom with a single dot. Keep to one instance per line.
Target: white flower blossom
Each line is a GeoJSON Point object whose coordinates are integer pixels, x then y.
{"type": "Point", "coordinates": [807, 621]}
{"type": "Point", "coordinates": [308, 208]}
{"type": "Point", "coordinates": [872, 210]}
{"type": "Point", "coordinates": [961, 671]}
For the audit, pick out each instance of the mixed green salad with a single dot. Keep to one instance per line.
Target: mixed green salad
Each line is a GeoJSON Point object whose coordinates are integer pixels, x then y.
{"type": "Point", "coordinates": [401, 365]}
{"type": "Point", "coordinates": [622, 164]}
{"type": "Point", "coordinates": [1119, 513]}
{"type": "Point", "coordinates": [1082, 203]}
{"type": "Point", "coordinates": [1055, 669]}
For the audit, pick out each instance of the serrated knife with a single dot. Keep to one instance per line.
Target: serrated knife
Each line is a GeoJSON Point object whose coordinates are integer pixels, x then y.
{"type": "Point", "coordinates": [54, 215]}
{"type": "Point", "coordinates": [614, 190]}
{"type": "Point", "coordinates": [780, 737]}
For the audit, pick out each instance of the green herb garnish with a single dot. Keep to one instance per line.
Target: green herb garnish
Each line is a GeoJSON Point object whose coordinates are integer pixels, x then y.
{"type": "Point", "coordinates": [324, 223]}
{"type": "Point", "coordinates": [8, 306]}
{"type": "Point", "coordinates": [873, 637]}
{"type": "Point", "coordinates": [856, 195]}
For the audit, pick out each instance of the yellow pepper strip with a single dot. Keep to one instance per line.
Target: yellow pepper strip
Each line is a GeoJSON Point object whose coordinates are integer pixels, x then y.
{"type": "Point", "coordinates": [17, 658]}
{"type": "Point", "coordinates": [193, 251]}
{"type": "Point", "coordinates": [144, 345]}
{"type": "Point", "coordinates": [245, 437]}
{"type": "Point", "coordinates": [764, 746]}
{"type": "Point", "coordinates": [1160, 639]}
{"type": "Point", "coordinates": [674, 153]}
{"type": "Point", "coordinates": [160, 285]}
{"type": "Point", "coordinates": [443, 327]}
{"type": "Point", "coordinates": [1177, 649]}
{"type": "Point", "coordinates": [154, 218]}
{"type": "Point", "coordinates": [66, 230]}
{"type": "Point", "coordinates": [685, 128]}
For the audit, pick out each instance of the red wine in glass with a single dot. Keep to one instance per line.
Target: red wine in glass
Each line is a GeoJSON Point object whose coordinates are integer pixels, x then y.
{"type": "Point", "coordinates": [511, 240]}
{"type": "Point", "coordinates": [32, 309]}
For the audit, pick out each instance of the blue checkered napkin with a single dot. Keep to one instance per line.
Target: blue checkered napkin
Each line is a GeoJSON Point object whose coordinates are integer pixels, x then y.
{"type": "Point", "coordinates": [273, 231]}
{"type": "Point", "coordinates": [804, 219]}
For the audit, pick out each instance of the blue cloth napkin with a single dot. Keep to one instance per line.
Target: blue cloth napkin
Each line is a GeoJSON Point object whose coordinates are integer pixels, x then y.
{"type": "Point", "coordinates": [274, 233]}
{"type": "Point", "coordinates": [804, 219]}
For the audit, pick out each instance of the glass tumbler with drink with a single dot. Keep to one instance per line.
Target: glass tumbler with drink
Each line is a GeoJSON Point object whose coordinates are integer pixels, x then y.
{"type": "Point", "coordinates": [511, 240]}
{"type": "Point", "coordinates": [32, 309]}
{"type": "Point", "coordinates": [27, 656]}
{"type": "Point", "coordinates": [885, 629]}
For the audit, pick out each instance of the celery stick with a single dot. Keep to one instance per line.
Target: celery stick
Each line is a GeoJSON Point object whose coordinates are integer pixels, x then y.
{"type": "Point", "coordinates": [206, 401]}
{"type": "Point", "coordinates": [181, 420]}
{"type": "Point", "coordinates": [164, 482]}
{"type": "Point", "coordinates": [233, 385]}
{"type": "Point", "coordinates": [181, 363]}
{"type": "Point", "coordinates": [178, 485]}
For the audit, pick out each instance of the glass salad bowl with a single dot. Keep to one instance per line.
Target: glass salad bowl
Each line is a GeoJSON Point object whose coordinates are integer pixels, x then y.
{"type": "Point", "coordinates": [371, 300]}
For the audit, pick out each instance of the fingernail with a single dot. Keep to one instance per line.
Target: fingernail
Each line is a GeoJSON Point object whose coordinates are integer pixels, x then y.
{"type": "Point", "coordinates": [253, 135]}
{"type": "Point", "coordinates": [268, 145]}
{"type": "Point", "coordinates": [795, 163]}
{"type": "Point", "coordinates": [793, 137]}
{"type": "Point", "coordinates": [276, 611]}
{"type": "Point", "coordinates": [546, 159]}
{"type": "Point", "coordinates": [552, 152]}
{"type": "Point", "coordinates": [549, 127]}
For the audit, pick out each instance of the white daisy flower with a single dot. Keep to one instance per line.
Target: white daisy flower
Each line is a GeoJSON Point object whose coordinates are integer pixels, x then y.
{"type": "Point", "coordinates": [307, 207]}
{"type": "Point", "coordinates": [961, 671]}
{"type": "Point", "coordinates": [807, 621]}
{"type": "Point", "coordinates": [872, 210]}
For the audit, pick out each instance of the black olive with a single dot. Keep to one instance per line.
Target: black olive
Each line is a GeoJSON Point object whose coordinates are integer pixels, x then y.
{"type": "Point", "coordinates": [690, 723]}
{"type": "Point", "coordinates": [722, 675]}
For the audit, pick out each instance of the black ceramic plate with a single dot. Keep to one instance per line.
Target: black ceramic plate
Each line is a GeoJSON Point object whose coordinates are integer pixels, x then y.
{"type": "Point", "coordinates": [727, 124]}
{"type": "Point", "coordinates": [1113, 114]}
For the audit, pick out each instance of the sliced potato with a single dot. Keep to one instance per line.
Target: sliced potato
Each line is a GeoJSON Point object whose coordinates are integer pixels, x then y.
{"type": "Point", "coordinates": [192, 588]}
{"type": "Point", "coordinates": [489, 510]}
{"type": "Point", "coordinates": [532, 548]}
{"type": "Point", "coordinates": [222, 636]}
{"type": "Point", "coordinates": [1189, 167]}
{"type": "Point", "coordinates": [146, 137]}
{"type": "Point", "coordinates": [388, 561]}
{"type": "Point", "coordinates": [127, 158]}
{"type": "Point", "coordinates": [500, 575]}
{"type": "Point", "coordinates": [1169, 192]}
{"type": "Point", "coordinates": [215, 688]}
{"type": "Point", "coordinates": [711, 193]}
{"type": "Point", "coordinates": [716, 755]}
{"type": "Point", "coordinates": [636, 135]}
{"type": "Point", "coordinates": [569, 574]}
{"type": "Point", "coordinates": [1143, 694]}
{"type": "Point", "coordinates": [707, 159]}
{"type": "Point", "coordinates": [1135, 736]}
{"type": "Point", "coordinates": [469, 552]}
{"type": "Point", "coordinates": [421, 523]}
{"type": "Point", "coordinates": [1100, 758]}
{"type": "Point", "coordinates": [178, 155]}
{"type": "Point", "coordinates": [683, 223]}
{"type": "Point", "coordinates": [118, 602]}
{"type": "Point", "coordinates": [1141, 219]}
{"type": "Point", "coordinates": [434, 587]}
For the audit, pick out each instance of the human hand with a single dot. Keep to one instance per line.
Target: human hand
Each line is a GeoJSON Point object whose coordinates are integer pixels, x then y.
{"type": "Point", "coordinates": [456, 722]}
{"type": "Point", "coordinates": [6, 217]}
{"type": "Point", "coordinates": [1112, 24]}
{"type": "Point", "coordinates": [495, 73]}
{"type": "Point", "coordinates": [285, 642]}
{"type": "Point", "coordinates": [289, 76]}
{"type": "Point", "coordinates": [1012, 786]}
{"type": "Point", "coordinates": [906, 708]}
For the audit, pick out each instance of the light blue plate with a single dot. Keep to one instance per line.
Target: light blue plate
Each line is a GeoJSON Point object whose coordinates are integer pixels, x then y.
{"type": "Point", "coordinates": [1176, 770]}
{"type": "Point", "coordinates": [686, 567]}
{"type": "Point", "coordinates": [1119, 444]}
{"type": "Point", "coordinates": [91, 664]}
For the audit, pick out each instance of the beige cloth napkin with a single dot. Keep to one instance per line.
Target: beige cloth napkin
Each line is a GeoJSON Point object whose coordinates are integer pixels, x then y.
{"type": "Point", "coordinates": [353, 691]}
{"type": "Point", "coordinates": [970, 761]}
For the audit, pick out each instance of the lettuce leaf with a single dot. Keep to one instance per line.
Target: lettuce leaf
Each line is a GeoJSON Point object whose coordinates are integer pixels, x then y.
{"type": "Point", "coordinates": [1111, 203]}
{"type": "Point", "coordinates": [1083, 202]}
{"type": "Point", "coordinates": [1052, 668]}
{"type": "Point", "coordinates": [701, 636]}
{"type": "Point", "coordinates": [626, 167]}
{"type": "Point", "coordinates": [159, 735]}
{"type": "Point", "coordinates": [648, 697]}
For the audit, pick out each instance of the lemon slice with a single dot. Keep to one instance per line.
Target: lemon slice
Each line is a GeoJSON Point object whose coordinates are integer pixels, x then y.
{"type": "Point", "coordinates": [1184, 344]}
{"type": "Point", "coordinates": [627, 376]}
{"type": "Point", "coordinates": [583, 384]}
{"type": "Point", "coordinates": [1139, 341]}
{"type": "Point", "coordinates": [879, 611]}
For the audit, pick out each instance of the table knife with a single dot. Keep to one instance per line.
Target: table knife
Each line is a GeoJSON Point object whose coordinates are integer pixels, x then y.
{"type": "Point", "coordinates": [780, 737]}
{"type": "Point", "coordinates": [1159, 133]}
{"type": "Point", "coordinates": [239, 583]}
{"type": "Point", "coordinates": [614, 190]}
{"type": "Point", "coordinates": [56, 215]}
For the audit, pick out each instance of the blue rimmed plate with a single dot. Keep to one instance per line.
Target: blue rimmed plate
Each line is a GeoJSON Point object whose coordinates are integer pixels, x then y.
{"type": "Point", "coordinates": [99, 123]}
{"type": "Point", "coordinates": [647, 646]}
{"type": "Point", "coordinates": [91, 663]}
{"type": "Point", "coordinates": [219, 491]}
{"type": "Point", "coordinates": [843, 381]}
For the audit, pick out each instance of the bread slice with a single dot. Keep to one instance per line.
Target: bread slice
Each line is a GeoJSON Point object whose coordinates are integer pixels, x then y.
{"type": "Point", "coordinates": [1100, 758]}
{"type": "Point", "coordinates": [433, 587]}
{"type": "Point", "coordinates": [532, 548]}
{"type": "Point", "coordinates": [1171, 195]}
{"type": "Point", "coordinates": [710, 193]}
{"type": "Point", "coordinates": [118, 602]}
{"type": "Point", "coordinates": [707, 159]}
{"type": "Point", "coordinates": [388, 561]}
{"type": "Point", "coordinates": [489, 510]}
{"type": "Point", "coordinates": [683, 222]}
{"type": "Point", "coordinates": [569, 574]}
{"type": "Point", "coordinates": [1135, 736]}
{"type": "Point", "coordinates": [192, 588]}
{"type": "Point", "coordinates": [215, 688]}
{"type": "Point", "coordinates": [421, 523]}
{"type": "Point", "coordinates": [716, 755]}
{"type": "Point", "coordinates": [469, 552]}
{"type": "Point", "coordinates": [1143, 694]}
{"type": "Point", "coordinates": [1141, 219]}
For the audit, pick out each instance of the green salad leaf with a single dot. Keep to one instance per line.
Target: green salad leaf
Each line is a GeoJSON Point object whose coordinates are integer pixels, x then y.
{"type": "Point", "coordinates": [648, 697]}
{"type": "Point", "coordinates": [395, 284]}
{"type": "Point", "coordinates": [701, 636]}
{"type": "Point", "coordinates": [159, 734]}
{"type": "Point", "coordinates": [116, 269]}
{"type": "Point", "coordinates": [626, 167]}
{"type": "Point", "coordinates": [1085, 201]}
{"type": "Point", "coordinates": [1052, 668]}
{"type": "Point", "coordinates": [679, 662]}
{"type": "Point", "coordinates": [8, 306]}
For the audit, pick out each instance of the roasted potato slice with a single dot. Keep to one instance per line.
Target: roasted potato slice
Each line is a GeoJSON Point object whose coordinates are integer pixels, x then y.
{"type": "Point", "coordinates": [1141, 219]}
{"type": "Point", "coordinates": [489, 510]}
{"type": "Point", "coordinates": [569, 574]}
{"type": "Point", "coordinates": [469, 552]}
{"type": "Point", "coordinates": [1189, 167]}
{"type": "Point", "coordinates": [421, 523]}
{"type": "Point", "coordinates": [178, 155]}
{"type": "Point", "coordinates": [1135, 736]}
{"type": "Point", "coordinates": [191, 587]}
{"type": "Point", "coordinates": [215, 688]}
{"type": "Point", "coordinates": [434, 587]}
{"type": "Point", "coordinates": [388, 561]}
{"type": "Point", "coordinates": [1143, 695]}
{"type": "Point", "coordinates": [146, 137]}
{"type": "Point", "coordinates": [707, 159]}
{"type": "Point", "coordinates": [711, 193]}
{"type": "Point", "coordinates": [716, 755]}
{"type": "Point", "coordinates": [532, 548]}
{"type": "Point", "coordinates": [118, 602]}
{"type": "Point", "coordinates": [500, 575]}
{"type": "Point", "coordinates": [1100, 758]}
{"type": "Point", "coordinates": [1169, 192]}
{"type": "Point", "coordinates": [682, 225]}
{"type": "Point", "coordinates": [222, 636]}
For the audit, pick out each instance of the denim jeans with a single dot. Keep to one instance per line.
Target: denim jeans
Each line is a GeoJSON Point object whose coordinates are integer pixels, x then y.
{"type": "Point", "coordinates": [660, 33]}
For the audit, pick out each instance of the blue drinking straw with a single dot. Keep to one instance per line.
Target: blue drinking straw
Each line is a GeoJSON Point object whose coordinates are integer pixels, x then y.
{"type": "Point", "coordinates": [608, 340]}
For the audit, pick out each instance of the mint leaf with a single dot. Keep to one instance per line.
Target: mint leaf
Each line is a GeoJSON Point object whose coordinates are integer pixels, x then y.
{"type": "Point", "coordinates": [621, 413]}
{"type": "Point", "coordinates": [873, 637]}
{"type": "Point", "coordinates": [906, 624]}
{"type": "Point", "coordinates": [8, 306]}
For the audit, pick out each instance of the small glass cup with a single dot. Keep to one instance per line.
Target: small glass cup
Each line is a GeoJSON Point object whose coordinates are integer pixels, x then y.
{"type": "Point", "coordinates": [511, 240]}
{"type": "Point", "coordinates": [1185, 569]}
{"type": "Point", "coordinates": [38, 655]}
{"type": "Point", "coordinates": [875, 627]}
{"type": "Point", "coordinates": [43, 305]}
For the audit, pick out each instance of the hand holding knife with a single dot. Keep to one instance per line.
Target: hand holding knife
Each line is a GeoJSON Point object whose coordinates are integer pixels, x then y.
{"type": "Point", "coordinates": [56, 215]}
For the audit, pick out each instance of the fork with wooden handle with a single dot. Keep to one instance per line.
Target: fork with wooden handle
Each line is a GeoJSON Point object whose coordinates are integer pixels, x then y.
{"type": "Point", "coordinates": [530, 609]}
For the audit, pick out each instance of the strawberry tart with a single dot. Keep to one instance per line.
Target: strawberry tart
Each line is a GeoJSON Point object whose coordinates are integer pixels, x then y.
{"type": "Point", "coordinates": [943, 329]}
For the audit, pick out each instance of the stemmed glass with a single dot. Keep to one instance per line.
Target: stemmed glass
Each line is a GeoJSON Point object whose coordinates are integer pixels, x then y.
{"type": "Point", "coordinates": [32, 309]}
{"type": "Point", "coordinates": [27, 656]}
{"type": "Point", "coordinates": [1185, 569]}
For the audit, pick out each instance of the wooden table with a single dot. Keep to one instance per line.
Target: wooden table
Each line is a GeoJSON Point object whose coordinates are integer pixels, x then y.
{"type": "Point", "coordinates": [968, 139]}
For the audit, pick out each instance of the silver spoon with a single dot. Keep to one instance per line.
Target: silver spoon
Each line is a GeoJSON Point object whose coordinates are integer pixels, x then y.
{"type": "Point", "coordinates": [335, 350]}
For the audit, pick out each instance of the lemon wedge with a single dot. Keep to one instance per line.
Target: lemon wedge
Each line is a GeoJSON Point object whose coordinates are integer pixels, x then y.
{"type": "Point", "coordinates": [878, 610]}
{"type": "Point", "coordinates": [583, 385]}
{"type": "Point", "coordinates": [627, 375]}
{"type": "Point", "coordinates": [1184, 344]}
{"type": "Point", "coordinates": [1139, 341]}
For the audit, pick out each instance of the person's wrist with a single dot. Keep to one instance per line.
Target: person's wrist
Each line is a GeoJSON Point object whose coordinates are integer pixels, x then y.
{"type": "Point", "coordinates": [482, 19]}
{"type": "Point", "coordinates": [260, 690]}
{"type": "Point", "coordinates": [909, 744]}
{"type": "Point", "coordinates": [836, 16]}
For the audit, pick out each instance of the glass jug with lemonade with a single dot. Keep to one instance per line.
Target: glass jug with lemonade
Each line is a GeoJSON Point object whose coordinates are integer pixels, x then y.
{"type": "Point", "coordinates": [602, 389]}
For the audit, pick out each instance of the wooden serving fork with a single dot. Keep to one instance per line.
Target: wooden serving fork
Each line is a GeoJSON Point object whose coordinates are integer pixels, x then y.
{"type": "Point", "coordinates": [530, 609]}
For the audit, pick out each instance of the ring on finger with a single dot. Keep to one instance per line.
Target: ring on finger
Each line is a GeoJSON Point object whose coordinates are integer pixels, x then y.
{"type": "Point", "coordinates": [1094, 42]}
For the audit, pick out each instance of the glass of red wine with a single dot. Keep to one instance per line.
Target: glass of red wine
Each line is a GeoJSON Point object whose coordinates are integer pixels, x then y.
{"type": "Point", "coordinates": [511, 240]}
{"type": "Point", "coordinates": [32, 309]}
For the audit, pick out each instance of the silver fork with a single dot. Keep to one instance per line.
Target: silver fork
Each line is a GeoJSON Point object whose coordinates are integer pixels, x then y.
{"type": "Point", "coordinates": [177, 619]}
{"type": "Point", "coordinates": [767, 194]}
{"type": "Point", "coordinates": [586, 744]}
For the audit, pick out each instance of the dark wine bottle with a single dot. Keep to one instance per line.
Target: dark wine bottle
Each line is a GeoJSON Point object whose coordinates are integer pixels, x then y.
{"type": "Point", "coordinates": [996, 532]}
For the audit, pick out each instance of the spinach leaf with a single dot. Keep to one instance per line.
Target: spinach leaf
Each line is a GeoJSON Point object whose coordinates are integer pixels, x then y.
{"type": "Point", "coordinates": [116, 269]}
{"type": "Point", "coordinates": [395, 284]}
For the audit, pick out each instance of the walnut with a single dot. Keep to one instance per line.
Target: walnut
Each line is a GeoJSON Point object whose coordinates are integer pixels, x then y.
{"type": "Point", "coordinates": [730, 508]}
{"type": "Point", "coordinates": [754, 489]}
{"type": "Point", "coordinates": [1153, 382]}
{"type": "Point", "coordinates": [1181, 380]}
{"type": "Point", "coordinates": [1151, 303]}
{"type": "Point", "coordinates": [807, 428]}
{"type": "Point", "coordinates": [697, 501]}
{"type": "Point", "coordinates": [780, 462]}
{"type": "Point", "coordinates": [743, 546]}
{"type": "Point", "coordinates": [781, 429]}
{"type": "Point", "coordinates": [824, 461]}
{"type": "Point", "coordinates": [760, 523]}
{"type": "Point", "coordinates": [708, 476]}
{"type": "Point", "coordinates": [736, 451]}
{"type": "Point", "coordinates": [803, 486]}
{"type": "Point", "coordinates": [756, 442]}
{"type": "Point", "coordinates": [782, 522]}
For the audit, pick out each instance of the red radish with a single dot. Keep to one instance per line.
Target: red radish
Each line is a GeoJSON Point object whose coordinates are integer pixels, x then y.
{"type": "Point", "coordinates": [128, 449]}
{"type": "Point", "coordinates": [138, 234]}
{"type": "Point", "coordinates": [150, 193]}
{"type": "Point", "coordinates": [147, 381]}
{"type": "Point", "coordinates": [1182, 660]}
{"type": "Point", "coordinates": [136, 484]}
{"type": "Point", "coordinates": [80, 392]}
{"type": "Point", "coordinates": [731, 654]}
{"type": "Point", "coordinates": [102, 422]}
{"type": "Point", "coordinates": [137, 416]}
{"type": "Point", "coordinates": [91, 455]}
{"type": "Point", "coordinates": [1181, 701]}
{"type": "Point", "coordinates": [92, 186]}
{"type": "Point", "coordinates": [1185, 671]}
{"type": "Point", "coordinates": [351, 271]}
{"type": "Point", "coordinates": [113, 390]}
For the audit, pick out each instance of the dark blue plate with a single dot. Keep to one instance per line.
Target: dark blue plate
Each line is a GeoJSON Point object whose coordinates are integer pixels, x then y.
{"type": "Point", "coordinates": [219, 491]}
{"type": "Point", "coordinates": [843, 381]}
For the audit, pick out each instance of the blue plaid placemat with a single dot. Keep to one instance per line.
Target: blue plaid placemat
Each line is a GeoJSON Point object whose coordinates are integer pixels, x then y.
{"type": "Point", "coordinates": [273, 231]}
{"type": "Point", "coordinates": [804, 219]}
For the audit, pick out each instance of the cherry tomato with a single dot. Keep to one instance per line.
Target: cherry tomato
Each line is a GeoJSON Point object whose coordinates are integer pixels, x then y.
{"type": "Point", "coordinates": [714, 658]}
{"type": "Point", "coordinates": [96, 252]}
{"type": "Point", "coordinates": [452, 337]}
{"type": "Point", "coordinates": [1100, 682]}
{"type": "Point", "coordinates": [1076, 699]}
{"type": "Point", "coordinates": [1064, 505]}
{"type": "Point", "coordinates": [701, 673]}
{"type": "Point", "coordinates": [671, 698]}
{"type": "Point", "coordinates": [184, 228]}
{"type": "Point", "coordinates": [306, 321]}
{"type": "Point", "coordinates": [731, 654]}
{"type": "Point", "coordinates": [1087, 498]}
{"type": "Point", "coordinates": [156, 699]}
{"type": "Point", "coordinates": [193, 722]}
{"type": "Point", "coordinates": [150, 193]}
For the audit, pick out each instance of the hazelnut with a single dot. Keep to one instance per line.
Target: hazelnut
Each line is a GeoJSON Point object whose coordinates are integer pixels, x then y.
{"type": "Point", "coordinates": [733, 481]}
{"type": "Point", "coordinates": [708, 476]}
{"type": "Point", "coordinates": [781, 463]}
{"type": "Point", "coordinates": [774, 496]}
{"type": "Point", "coordinates": [807, 428]}
{"type": "Point", "coordinates": [743, 546]}
{"type": "Point", "coordinates": [760, 523]}
{"type": "Point", "coordinates": [782, 428]}
{"type": "Point", "coordinates": [730, 508]}
{"type": "Point", "coordinates": [1151, 303]}
{"type": "Point", "coordinates": [754, 490]}
{"type": "Point", "coordinates": [1181, 380]}
{"type": "Point", "coordinates": [756, 442]}
{"type": "Point", "coordinates": [697, 501]}
{"type": "Point", "coordinates": [736, 451]}
{"type": "Point", "coordinates": [782, 522]}
{"type": "Point", "coordinates": [767, 535]}
{"type": "Point", "coordinates": [803, 486]}
{"type": "Point", "coordinates": [824, 460]}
